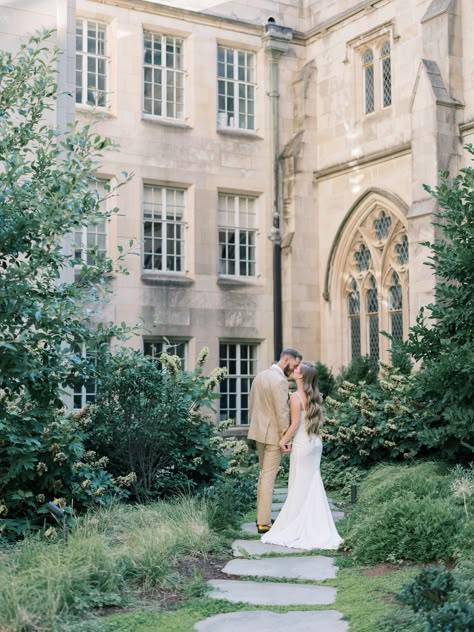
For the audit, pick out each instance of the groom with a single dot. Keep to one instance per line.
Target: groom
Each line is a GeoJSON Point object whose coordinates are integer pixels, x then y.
{"type": "Point", "coordinates": [269, 420]}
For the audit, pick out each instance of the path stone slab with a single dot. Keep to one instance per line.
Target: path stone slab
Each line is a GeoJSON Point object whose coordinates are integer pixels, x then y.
{"type": "Point", "coordinates": [271, 593]}
{"type": "Point", "coordinates": [266, 621]}
{"type": "Point", "coordinates": [314, 568]}
{"type": "Point", "coordinates": [277, 506]}
{"type": "Point", "coordinates": [280, 490]}
{"type": "Point", "coordinates": [337, 515]}
{"type": "Point", "coordinates": [249, 527]}
{"type": "Point", "coordinates": [257, 548]}
{"type": "Point", "coordinates": [279, 498]}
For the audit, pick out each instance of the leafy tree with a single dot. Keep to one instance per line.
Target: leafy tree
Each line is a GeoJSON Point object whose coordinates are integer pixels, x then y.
{"type": "Point", "coordinates": [46, 193]}
{"type": "Point", "coordinates": [443, 336]}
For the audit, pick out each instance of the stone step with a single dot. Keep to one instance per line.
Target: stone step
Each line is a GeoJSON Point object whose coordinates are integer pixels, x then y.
{"type": "Point", "coordinates": [277, 506]}
{"type": "Point", "coordinates": [257, 548]}
{"type": "Point", "coordinates": [270, 593]}
{"type": "Point", "coordinates": [313, 568]}
{"type": "Point", "coordinates": [266, 621]}
{"type": "Point", "coordinates": [250, 527]}
{"type": "Point", "coordinates": [280, 490]}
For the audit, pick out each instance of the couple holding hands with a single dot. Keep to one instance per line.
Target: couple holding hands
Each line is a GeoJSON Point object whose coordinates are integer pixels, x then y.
{"type": "Point", "coordinates": [280, 425]}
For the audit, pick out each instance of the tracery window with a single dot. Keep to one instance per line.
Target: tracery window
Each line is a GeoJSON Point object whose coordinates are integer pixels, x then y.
{"type": "Point", "coordinates": [369, 81]}
{"type": "Point", "coordinates": [386, 74]}
{"type": "Point", "coordinates": [376, 284]}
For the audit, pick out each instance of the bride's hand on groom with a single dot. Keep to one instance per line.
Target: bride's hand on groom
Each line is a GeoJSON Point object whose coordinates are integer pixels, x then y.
{"type": "Point", "coordinates": [285, 447]}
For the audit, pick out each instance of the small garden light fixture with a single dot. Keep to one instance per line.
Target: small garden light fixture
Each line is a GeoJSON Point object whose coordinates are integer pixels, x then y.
{"type": "Point", "coordinates": [60, 516]}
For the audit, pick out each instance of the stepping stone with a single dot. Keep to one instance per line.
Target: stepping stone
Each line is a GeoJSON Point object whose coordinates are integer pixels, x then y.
{"type": "Point", "coordinates": [270, 593]}
{"type": "Point", "coordinates": [257, 548]}
{"type": "Point", "coordinates": [337, 515]}
{"type": "Point", "coordinates": [315, 568]}
{"type": "Point", "coordinates": [266, 621]}
{"type": "Point", "coordinates": [279, 498]}
{"type": "Point", "coordinates": [275, 514]}
{"type": "Point", "coordinates": [277, 506]}
{"type": "Point", "coordinates": [249, 527]}
{"type": "Point", "coordinates": [280, 490]}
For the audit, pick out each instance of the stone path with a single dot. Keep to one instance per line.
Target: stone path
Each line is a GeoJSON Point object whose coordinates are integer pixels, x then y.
{"type": "Point", "coordinates": [251, 560]}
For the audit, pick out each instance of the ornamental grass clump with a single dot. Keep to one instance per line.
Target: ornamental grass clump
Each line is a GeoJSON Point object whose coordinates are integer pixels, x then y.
{"type": "Point", "coordinates": [113, 557]}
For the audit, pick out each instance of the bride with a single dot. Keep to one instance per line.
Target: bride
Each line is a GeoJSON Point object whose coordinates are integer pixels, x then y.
{"type": "Point", "coordinates": [305, 520]}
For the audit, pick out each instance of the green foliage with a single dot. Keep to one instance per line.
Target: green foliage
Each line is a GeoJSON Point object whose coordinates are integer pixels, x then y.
{"type": "Point", "coordinates": [432, 594]}
{"type": "Point", "coordinates": [405, 528]}
{"type": "Point", "coordinates": [370, 423]}
{"type": "Point", "coordinates": [148, 418]}
{"type": "Point", "coordinates": [360, 369]}
{"type": "Point", "coordinates": [339, 477]}
{"type": "Point", "coordinates": [427, 590]}
{"type": "Point", "coordinates": [230, 498]}
{"type": "Point", "coordinates": [443, 337]}
{"type": "Point", "coordinates": [111, 554]}
{"type": "Point", "coordinates": [326, 380]}
{"type": "Point", "coordinates": [56, 467]}
{"type": "Point", "coordinates": [406, 513]}
{"type": "Point", "coordinates": [45, 195]}
{"type": "Point", "coordinates": [401, 619]}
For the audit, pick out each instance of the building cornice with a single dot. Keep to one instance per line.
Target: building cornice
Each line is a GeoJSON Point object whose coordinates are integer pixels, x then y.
{"type": "Point", "coordinates": [369, 159]}
{"type": "Point", "coordinates": [321, 29]}
{"type": "Point", "coordinates": [186, 14]}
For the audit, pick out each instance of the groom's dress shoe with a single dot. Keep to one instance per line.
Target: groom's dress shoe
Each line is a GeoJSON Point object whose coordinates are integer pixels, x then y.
{"type": "Point", "coordinates": [263, 528]}
{"type": "Point", "coordinates": [256, 523]}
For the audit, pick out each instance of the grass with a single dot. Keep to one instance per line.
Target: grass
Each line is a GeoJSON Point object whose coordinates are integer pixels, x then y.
{"type": "Point", "coordinates": [113, 558]}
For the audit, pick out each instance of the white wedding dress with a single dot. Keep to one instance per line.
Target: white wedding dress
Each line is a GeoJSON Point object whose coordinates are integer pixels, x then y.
{"type": "Point", "coordinates": [305, 520]}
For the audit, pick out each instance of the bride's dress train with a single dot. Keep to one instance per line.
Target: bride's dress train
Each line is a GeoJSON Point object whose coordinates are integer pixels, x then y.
{"type": "Point", "coordinates": [305, 520]}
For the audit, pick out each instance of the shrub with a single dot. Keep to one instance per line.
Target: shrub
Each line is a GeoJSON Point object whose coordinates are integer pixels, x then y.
{"type": "Point", "coordinates": [370, 423]}
{"type": "Point", "coordinates": [432, 593]}
{"type": "Point", "coordinates": [338, 477]}
{"type": "Point", "coordinates": [404, 528]}
{"type": "Point", "coordinates": [326, 380]}
{"type": "Point", "coordinates": [359, 370]}
{"type": "Point", "coordinates": [387, 481]}
{"type": "Point", "coordinates": [148, 418]}
{"type": "Point", "coordinates": [58, 467]}
{"type": "Point", "coordinates": [230, 498]}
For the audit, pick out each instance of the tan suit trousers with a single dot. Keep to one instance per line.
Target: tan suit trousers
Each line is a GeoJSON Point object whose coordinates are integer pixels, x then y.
{"type": "Point", "coordinates": [269, 457]}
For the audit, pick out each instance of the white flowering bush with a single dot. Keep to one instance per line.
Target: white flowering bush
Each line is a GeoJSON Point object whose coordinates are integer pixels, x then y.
{"type": "Point", "coordinates": [369, 423]}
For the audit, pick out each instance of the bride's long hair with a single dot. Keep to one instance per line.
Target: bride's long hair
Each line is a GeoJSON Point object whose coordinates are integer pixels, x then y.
{"type": "Point", "coordinates": [314, 407]}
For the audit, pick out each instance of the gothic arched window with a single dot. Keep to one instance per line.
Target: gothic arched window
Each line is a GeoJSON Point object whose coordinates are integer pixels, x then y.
{"type": "Point", "coordinates": [369, 81]}
{"type": "Point", "coordinates": [376, 283]}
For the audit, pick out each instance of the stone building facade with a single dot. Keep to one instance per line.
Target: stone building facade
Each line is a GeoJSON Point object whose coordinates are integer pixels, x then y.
{"type": "Point", "coordinates": [301, 129]}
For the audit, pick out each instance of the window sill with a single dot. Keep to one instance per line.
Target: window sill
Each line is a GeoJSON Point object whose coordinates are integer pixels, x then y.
{"type": "Point", "coordinates": [167, 122]}
{"type": "Point", "coordinates": [236, 431]}
{"type": "Point", "coordinates": [229, 282]}
{"type": "Point", "coordinates": [170, 280]}
{"type": "Point", "coordinates": [94, 111]}
{"type": "Point", "coordinates": [240, 133]}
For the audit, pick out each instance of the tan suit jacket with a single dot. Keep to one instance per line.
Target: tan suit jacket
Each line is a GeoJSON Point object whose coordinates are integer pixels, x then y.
{"type": "Point", "coordinates": [269, 412]}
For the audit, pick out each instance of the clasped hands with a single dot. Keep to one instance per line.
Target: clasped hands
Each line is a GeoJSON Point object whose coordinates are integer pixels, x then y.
{"type": "Point", "coordinates": [285, 447]}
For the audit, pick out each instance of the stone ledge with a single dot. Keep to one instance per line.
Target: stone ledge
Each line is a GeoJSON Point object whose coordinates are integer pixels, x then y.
{"type": "Point", "coordinates": [165, 280]}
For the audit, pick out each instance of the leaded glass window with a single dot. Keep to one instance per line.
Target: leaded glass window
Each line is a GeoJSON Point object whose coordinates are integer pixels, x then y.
{"type": "Point", "coordinates": [362, 258]}
{"type": "Point", "coordinates": [373, 322]}
{"type": "Point", "coordinates": [401, 249]}
{"type": "Point", "coordinates": [386, 72]}
{"type": "Point", "coordinates": [382, 226]}
{"type": "Point", "coordinates": [395, 307]}
{"type": "Point", "coordinates": [240, 360]}
{"type": "Point", "coordinates": [369, 82]}
{"type": "Point", "coordinates": [354, 318]}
